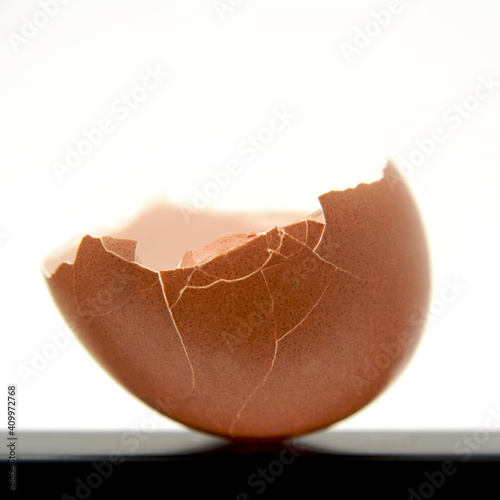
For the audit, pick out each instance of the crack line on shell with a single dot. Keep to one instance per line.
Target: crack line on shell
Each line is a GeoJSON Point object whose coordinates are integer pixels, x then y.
{"type": "Point", "coordinates": [118, 255]}
{"type": "Point", "coordinates": [260, 384]}
{"type": "Point", "coordinates": [282, 233]}
{"type": "Point", "coordinates": [180, 293]}
{"type": "Point", "coordinates": [328, 262]}
{"type": "Point", "coordinates": [223, 280]}
{"type": "Point", "coordinates": [212, 276]}
{"type": "Point", "coordinates": [319, 239]}
{"type": "Point", "coordinates": [271, 253]}
{"type": "Point", "coordinates": [308, 313]}
{"type": "Point", "coordinates": [133, 262]}
{"type": "Point", "coordinates": [178, 333]}
{"type": "Point", "coordinates": [77, 302]}
{"type": "Point", "coordinates": [347, 272]}
{"type": "Point", "coordinates": [285, 259]}
{"type": "Point", "coordinates": [197, 267]}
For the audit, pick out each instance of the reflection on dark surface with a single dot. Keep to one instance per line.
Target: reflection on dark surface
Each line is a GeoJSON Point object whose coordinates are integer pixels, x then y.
{"type": "Point", "coordinates": [186, 444]}
{"type": "Point", "coordinates": [190, 465]}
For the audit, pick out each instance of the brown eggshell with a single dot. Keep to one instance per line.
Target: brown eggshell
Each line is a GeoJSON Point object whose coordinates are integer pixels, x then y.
{"type": "Point", "coordinates": [260, 335]}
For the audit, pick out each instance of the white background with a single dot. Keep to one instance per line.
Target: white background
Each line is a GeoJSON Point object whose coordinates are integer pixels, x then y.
{"type": "Point", "coordinates": [227, 73]}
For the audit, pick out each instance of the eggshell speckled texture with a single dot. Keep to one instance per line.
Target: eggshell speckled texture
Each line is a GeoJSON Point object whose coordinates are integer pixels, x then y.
{"type": "Point", "coordinates": [260, 335]}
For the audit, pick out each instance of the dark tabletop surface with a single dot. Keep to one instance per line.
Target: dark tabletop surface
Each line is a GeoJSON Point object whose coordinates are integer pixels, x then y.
{"type": "Point", "coordinates": [332, 465]}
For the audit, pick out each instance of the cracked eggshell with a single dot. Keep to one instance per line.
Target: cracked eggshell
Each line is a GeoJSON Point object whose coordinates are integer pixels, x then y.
{"type": "Point", "coordinates": [261, 335]}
